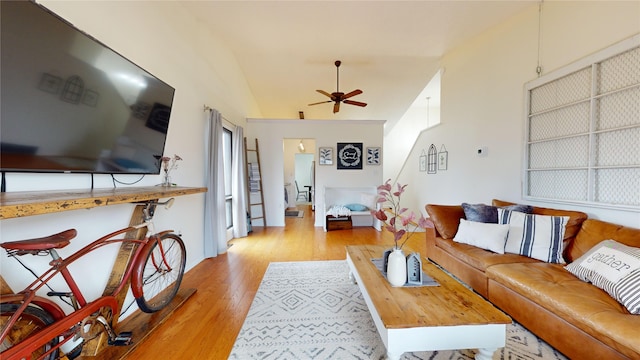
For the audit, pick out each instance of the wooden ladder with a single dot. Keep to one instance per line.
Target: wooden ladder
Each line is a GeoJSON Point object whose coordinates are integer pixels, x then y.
{"type": "Point", "coordinates": [250, 178]}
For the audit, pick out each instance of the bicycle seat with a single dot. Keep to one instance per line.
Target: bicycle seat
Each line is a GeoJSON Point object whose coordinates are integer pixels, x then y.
{"type": "Point", "coordinates": [55, 241]}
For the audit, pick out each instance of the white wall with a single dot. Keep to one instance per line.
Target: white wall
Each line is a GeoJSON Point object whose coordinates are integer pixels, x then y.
{"type": "Point", "coordinates": [483, 101]}
{"type": "Point", "coordinates": [159, 37]}
{"type": "Point", "coordinates": [400, 140]}
{"type": "Point", "coordinates": [270, 135]}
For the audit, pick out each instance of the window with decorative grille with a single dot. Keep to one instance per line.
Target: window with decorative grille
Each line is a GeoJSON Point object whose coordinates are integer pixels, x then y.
{"type": "Point", "coordinates": [583, 131]}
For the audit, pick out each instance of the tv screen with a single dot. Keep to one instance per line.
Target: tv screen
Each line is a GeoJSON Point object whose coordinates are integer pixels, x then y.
{"type": "Point", "coordinates": [71, 104]}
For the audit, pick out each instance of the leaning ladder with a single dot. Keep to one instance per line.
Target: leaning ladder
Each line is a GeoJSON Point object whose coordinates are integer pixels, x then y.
{"type": "Point", "coordinates": [254, 182]}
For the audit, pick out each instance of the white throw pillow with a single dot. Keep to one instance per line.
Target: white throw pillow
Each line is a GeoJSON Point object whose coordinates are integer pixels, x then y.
{"type": "Point", "coordinates": [536, 236]}
{"type": "Point", "coordinates": [614, 268]}
{"type": "Point", "coordinates": [483, 235]}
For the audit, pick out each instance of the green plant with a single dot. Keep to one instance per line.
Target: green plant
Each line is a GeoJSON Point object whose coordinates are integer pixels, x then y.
{"type": "Point", "coordinates": [398, 220]}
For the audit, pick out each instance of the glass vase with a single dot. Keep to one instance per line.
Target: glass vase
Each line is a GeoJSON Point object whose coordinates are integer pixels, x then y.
{"type": "Point", "coordinates": [166, 180]}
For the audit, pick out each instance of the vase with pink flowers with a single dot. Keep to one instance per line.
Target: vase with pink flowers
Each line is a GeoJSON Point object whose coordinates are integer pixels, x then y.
{"type": "Point", "coordinates": [400, 222]}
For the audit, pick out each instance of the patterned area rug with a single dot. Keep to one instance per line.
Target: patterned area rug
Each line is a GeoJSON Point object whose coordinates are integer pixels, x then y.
{"type": "Point", "coordinates": [311, 310]}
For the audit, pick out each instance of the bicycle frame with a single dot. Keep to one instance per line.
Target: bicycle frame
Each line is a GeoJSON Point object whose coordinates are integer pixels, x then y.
{"type": "Point", "coordinates": [68, 325]}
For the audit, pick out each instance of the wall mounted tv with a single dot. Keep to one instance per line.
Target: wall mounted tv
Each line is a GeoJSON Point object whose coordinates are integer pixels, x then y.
{"type": "Point", "coordinates": [71, 104]}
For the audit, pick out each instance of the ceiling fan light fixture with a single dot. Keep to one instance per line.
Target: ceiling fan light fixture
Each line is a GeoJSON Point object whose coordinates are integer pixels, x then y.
{"type": "Point", "coordinates": [337, 97]}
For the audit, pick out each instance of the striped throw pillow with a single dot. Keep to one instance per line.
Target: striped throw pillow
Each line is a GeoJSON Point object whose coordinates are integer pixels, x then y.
{"type": "Point", "coordinates": [614, 268]}
{"type": "Point", "coordinates": [536, 236]}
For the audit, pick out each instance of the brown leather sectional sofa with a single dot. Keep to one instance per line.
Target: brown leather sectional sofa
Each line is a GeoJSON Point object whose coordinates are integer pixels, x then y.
{"type": "Point", "coordinates": [575, 317]}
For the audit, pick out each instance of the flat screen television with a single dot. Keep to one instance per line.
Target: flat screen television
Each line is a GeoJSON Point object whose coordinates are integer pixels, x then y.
{"type": "Point", "coordinates": [71, 104]}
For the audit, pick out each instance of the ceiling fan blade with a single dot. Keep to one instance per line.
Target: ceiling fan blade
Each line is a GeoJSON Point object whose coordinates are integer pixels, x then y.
{"type": "Point", "coordinates": [336, 107]}
{"type": "Point", "coordinates": [325, 93]}
{"type": "Point", "coordinates": [321, 102]}
{"type": "Point", "coordinates": [356, 103]}
{"type": "Point", "coordinates": [353, 93]}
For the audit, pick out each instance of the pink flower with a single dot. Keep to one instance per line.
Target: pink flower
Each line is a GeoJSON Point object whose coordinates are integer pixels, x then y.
{"type": "Point", "coordinates": [397, 222]}
{"type": "Point", "coordinates": [169, 163]}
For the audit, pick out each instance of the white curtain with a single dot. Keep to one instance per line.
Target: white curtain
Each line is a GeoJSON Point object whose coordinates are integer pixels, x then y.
{"type": "Point", "coordinates": [239, 185]}
{"type": "Point", "coordinates": [215, 239]}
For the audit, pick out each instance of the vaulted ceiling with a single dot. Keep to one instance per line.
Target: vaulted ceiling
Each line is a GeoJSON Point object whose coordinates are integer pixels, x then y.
{"type": "Point", "coordinates": [389, 49]}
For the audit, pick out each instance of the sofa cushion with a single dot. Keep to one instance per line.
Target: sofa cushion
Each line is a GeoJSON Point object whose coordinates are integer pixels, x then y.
{"type": "Point", "coordinates": [483, 235]}
{"type": "Point", "coordinates": [594, 231]}
{"type": "Point", "coordinates": [579, 303]}
{"type": "Point", "coordinates": [536, 236]}
{"type": "Point", "coordinates": [478, 258]}
{"type": "Point", "coordinates": [573, 225]}
{"type": "Point", "coordinates": [445, 218]}
{"type": "Point", "coordinates": [356, 207]}
{"type": "Point", "coordinates": [489, 213]}
{"type": "Point", "coordinates": [613, 267]}
{"type": "Point", "coordinates": [480, 213]}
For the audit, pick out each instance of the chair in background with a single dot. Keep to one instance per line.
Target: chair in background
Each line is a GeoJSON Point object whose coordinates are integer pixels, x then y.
{"type": "Point", "coordinates": [303, 193]}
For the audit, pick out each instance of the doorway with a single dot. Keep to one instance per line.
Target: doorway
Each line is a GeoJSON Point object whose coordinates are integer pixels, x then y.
{"type": "Point", "coordinates": [299, 175]}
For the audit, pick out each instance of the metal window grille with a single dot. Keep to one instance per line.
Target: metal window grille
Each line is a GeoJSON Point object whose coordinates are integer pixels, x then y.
{"type": "Point", "coordinates": [583, 131]}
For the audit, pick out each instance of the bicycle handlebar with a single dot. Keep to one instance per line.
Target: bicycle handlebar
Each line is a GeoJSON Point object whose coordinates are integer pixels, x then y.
{"type": "Point", "coordinates": [149, 210]}
{"type": "Point", "coordinates": [167, 204]}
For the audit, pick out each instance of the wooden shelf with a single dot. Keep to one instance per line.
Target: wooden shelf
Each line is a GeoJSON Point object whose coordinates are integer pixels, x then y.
{"type": "Point", "coordinates": [28, 203]}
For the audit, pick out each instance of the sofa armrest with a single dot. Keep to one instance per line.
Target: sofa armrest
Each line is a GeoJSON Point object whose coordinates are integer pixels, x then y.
{"type": "Point", "coordinates": [445, 218]}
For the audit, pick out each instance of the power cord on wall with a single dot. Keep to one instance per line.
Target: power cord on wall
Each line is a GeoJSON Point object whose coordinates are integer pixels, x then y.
{"type": "Point", "coordinates": [116, 181]}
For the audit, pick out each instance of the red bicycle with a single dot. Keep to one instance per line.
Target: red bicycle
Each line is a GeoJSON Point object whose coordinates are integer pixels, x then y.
{"type": "Point", "coordinates": [35, 327]}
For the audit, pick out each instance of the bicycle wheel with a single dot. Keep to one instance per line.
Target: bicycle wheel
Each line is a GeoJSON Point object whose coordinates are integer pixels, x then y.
{"type": "Point", "coordinates": [33, 319]}
{"type": "Point", "coordinates": [162, 274]}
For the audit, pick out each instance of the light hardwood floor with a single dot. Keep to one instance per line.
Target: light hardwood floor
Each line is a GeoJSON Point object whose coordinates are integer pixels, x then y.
{"type": "Point", "coordinates": [206, 326]}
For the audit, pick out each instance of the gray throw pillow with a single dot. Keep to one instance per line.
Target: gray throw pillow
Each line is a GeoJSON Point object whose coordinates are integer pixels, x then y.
{"type": "Point", "coordinates": [480, 213]}
{"type": "Point", "coordinates": [489, 214]}
{"type": "Point", "coordinates": [527, 209]}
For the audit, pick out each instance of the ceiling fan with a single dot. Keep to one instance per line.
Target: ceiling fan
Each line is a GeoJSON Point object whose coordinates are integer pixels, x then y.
{"type": "Point", "coordinates": [337, 97]}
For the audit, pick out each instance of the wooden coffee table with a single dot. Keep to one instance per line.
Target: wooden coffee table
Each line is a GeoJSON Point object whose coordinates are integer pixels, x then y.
{"type": "Point", "coordinates": [444, 317]}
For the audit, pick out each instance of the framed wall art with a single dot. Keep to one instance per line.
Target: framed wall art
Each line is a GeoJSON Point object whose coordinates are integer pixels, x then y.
{"type": "Point", "coordinates": [443, 158]}
{"type": "Point", "coordinates": [90, 98]}
{"type": "Point", "coordinates": [423, 162]}
{"type": "Point", "coordinates": [432, 160]}
{"type": "Point", "coordinates": [73, 89]}
{"type": "Point", "coordinates": [50, 83]}
{"type": "Point", "coordinates": [159, 118]}
{"type": "Point", "coordinates": [349, 156]}
{"type": "Point", "coordinates": [373, 156]}
{"type": "Point", "coordinates": [140, 110]}
{"type": "Point", "coordinates": [325, 156]}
